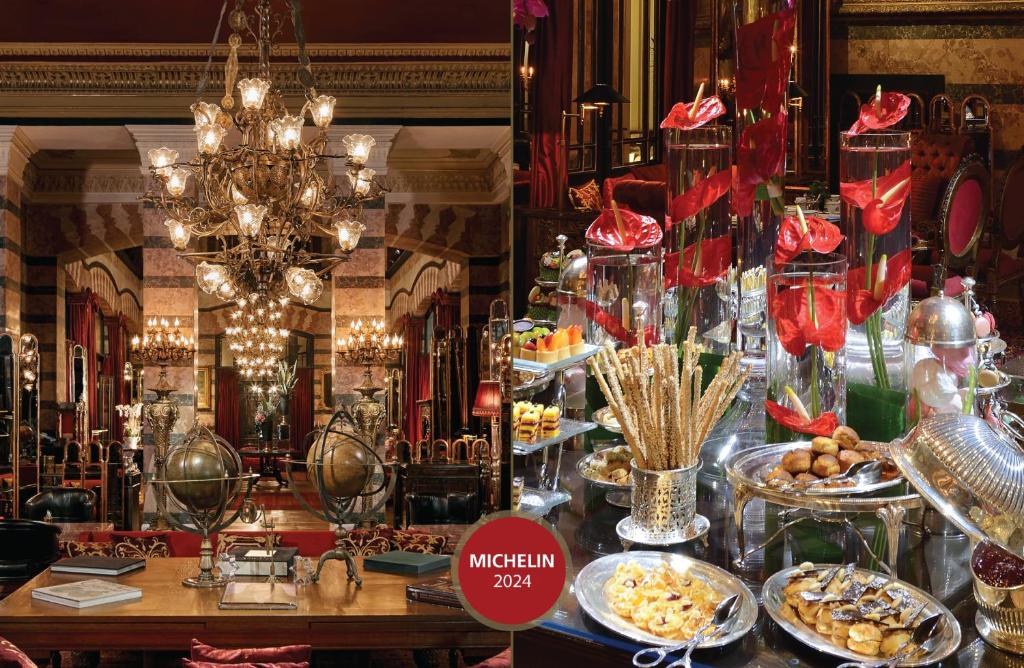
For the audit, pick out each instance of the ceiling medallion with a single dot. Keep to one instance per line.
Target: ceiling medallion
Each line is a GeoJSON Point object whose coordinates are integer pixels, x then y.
{"type": "Point", "coordinates": [263, 200]}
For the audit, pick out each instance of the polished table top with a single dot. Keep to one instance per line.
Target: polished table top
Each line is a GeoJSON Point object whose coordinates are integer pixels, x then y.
{"type": "Point", "coordinates": [587, 522]}
{"type": "Point", "coordinates": [331, 614]}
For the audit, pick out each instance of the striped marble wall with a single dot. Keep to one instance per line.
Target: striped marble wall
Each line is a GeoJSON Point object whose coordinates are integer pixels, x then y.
{"type": "Point", "coordinates": [985, 57]}
{"type": "Point", "coordinates": [15, 150]}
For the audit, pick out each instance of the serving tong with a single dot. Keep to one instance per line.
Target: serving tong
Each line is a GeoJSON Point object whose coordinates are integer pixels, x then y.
{"type": "Point", "coordinates": [723, 614]}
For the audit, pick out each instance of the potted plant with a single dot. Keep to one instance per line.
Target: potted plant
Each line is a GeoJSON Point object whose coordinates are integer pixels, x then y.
{"type": "Point", "coordinates": [132, 416]}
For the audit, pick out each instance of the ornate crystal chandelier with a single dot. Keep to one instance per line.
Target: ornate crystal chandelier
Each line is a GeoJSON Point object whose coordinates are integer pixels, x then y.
{"type": "Point", "coordinates": [256, 336]}
{"type": "Point", "coordinates": [263, 199]}
{"type": "Point", "coordinates": [368, 344]}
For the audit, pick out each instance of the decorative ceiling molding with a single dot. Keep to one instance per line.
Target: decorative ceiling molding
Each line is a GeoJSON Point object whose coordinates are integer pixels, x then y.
{"type": "Point", "coordinates": [448, 181]}
{"type": "Point", "coordinates": [400, 78]}
{"type": "Point", "coordinates": [44, 186]}
{"type": "Point", "coordinates": [929, 7]}
{"type": "Point", "coordinates": [202, 51]}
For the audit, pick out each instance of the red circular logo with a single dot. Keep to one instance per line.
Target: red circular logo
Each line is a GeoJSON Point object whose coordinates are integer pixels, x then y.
{"type": "Point", "coordinates": [510, 571]}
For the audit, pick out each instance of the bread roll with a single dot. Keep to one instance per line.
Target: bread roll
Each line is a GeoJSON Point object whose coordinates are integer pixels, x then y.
{"type": "Point", "coordinates": [846, 437]}
{"type": "Point", "coordinates": [848, 458]}
{"type": "Point", "coordinates": [797, 461]}
{"type": "Point", "coordinates": [825, 466]}
{"type": "Point", "coordinates": [823, 445]}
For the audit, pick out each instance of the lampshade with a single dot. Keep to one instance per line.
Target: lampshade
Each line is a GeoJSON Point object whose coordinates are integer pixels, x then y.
{"type": "Point", "coordinates": [488, 399]}
{"type": "Point", "coordinates": [797, 91]}
{"type": "Point", "coordinates": [600, 95]}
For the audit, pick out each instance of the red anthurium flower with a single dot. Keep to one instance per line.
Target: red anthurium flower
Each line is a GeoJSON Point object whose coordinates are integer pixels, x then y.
{"type": "Point", "coordinates": [880, 112]}
{"type": "Point", "coordinates": [821, 236]}
{"type": "Point", "coordinates": [743, 195]}
{"type": "Point", "coordinates": [823, 425]}
{"type": "Point", "coordinates": [796, 328]}
{"type": "Point", "coordinates": [881, 213]}
{"type": "Point", "coordinates": [526, 12]}
{"type": "Point", "coordinates": [639, 231]}
{"type": "Point", "coordinates": [613, 326]}
{"type": "Point", "coordinates": [703, 194]}
{"type": "Point", "coordinates": [679, 116]}
{"type": "Point", "coordinates": [715, 258]}
{"type": "Point", "coordinates": [763, 60]}
{"type": "Point", "coordinates": [863, 302]}
{"type": "Point", "coordinates": [762, 150]}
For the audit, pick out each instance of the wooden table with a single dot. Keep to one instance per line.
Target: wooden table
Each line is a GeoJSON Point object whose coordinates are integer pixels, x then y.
{"type": "Point", "coordinates": [333, 614]}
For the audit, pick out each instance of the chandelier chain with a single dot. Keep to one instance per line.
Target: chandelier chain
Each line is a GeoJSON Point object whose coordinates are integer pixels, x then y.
{"type": "Point", "coordinates": [201, 88]}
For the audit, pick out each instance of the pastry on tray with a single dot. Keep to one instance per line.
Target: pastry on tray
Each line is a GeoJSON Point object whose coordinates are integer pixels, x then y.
{"type": "Point", "coordinates": [611, 465]}
{"type": "Point", "coordinates": [532, 422]}
{"type": "Point", "coordinates": [550, 347]}
{"type": "Point", "coordinates": [661, 601]}
{"type": "Point", "coordinates": [868, 614]}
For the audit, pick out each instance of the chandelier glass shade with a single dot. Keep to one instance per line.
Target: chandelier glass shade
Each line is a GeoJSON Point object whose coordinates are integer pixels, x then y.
{"type": "Point", "coordinates": [264, 191]}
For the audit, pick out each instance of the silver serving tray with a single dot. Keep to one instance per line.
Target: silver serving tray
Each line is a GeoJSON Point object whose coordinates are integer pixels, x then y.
{"type": "Point", "coordinates": [581, 468]}
{"type": "Point", "coordinates": [774, 600]}
{"type": "Point", "coordinates": [606, 420]}
{"type": "Point", "coordinates": [590, 584]}
{"type": "Point", "coordinates": [753, 465]}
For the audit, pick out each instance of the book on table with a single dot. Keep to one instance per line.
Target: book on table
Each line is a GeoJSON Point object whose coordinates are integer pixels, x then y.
{"type": "Point", "coordinates": [256, 561]}
{"type": "Point", "coordinates": [97, 565]}
{"type": "Point", "coordinates": [259, 596]}
{"type": "Point", "coordinates": [437, 592]}
{"type": "Point", "coordinates": [87, 593]}
{"type": "Point", "coordinates": [406, 563]}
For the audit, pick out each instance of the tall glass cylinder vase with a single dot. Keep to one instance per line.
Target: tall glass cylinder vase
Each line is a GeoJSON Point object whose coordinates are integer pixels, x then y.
{"type": "Point", "coordinates": [874, 174]}
{"type": "Point", "coordinates": [762, 69]}
{"type": "Point", "coordinates": [806, 361]}
{"type": "Point", "coordinates": [623, 294]}
{"type": "Point", "coordinates": [698, 236]}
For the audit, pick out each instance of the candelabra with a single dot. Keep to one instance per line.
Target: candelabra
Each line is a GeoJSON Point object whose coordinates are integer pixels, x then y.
{"type": "Point", "coordinates": [369, 345]}
{"type": "Point", "coordinates": [267, 197]}
{"type": "Point", "coordinates": [162, 345]}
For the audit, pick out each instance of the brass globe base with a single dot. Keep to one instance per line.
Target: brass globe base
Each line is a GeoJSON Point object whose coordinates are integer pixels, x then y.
{"type": "Point", "coordinates": [338, 554]}
{"type": "Point", "coordinates": [205, 581]}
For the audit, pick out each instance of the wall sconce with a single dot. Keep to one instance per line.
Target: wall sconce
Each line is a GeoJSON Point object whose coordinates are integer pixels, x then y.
{"type": "Point", "coordinates": [596, 98]}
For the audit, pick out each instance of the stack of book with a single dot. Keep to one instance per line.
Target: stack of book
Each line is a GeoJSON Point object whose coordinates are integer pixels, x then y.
{"type": "Point", "coordinates": [256, 561]}
{"type": "Point", "coordinates": [87, 593]}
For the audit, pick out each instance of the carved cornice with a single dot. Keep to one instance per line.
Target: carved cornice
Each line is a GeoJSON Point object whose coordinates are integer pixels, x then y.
{"type": "Point", "coordinates": [201, 51]}
{"type": "Point", "coordinates": [916, 7]}
{"type": "Point", "coordinates": [407, 181]}
{"type": "Point", "coordinates": [399, 78]}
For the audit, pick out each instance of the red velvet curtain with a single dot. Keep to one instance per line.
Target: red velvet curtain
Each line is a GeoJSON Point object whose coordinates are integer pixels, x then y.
{"type": "Point", "coordinates": [417, 375]}
{"type": "Point", "coordinates": [82, 309]}
{"type": "Point", "coordinates": [447, 311]}
{"type": "Point", "coordinates": [300, 410]}
{"type": "Point", "coordinates": [228, 406]}
{"type": "Point", "coordinates": [551, 56]}
{"type": "Point", "coordinates": [113, 366]}
{"type": "Point", "coordinates": [677, 64]}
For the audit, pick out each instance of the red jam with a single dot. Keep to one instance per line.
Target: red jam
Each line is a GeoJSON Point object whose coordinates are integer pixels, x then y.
{"type": "Point", "coordinates": [996, 567]}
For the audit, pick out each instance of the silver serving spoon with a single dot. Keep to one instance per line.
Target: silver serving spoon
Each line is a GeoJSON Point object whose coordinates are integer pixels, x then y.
{"type": "Point", "coordinates": [860, 473]}
{"type": "Point", "coordinates": [924, 638]}
{"type": "Point", "coordinates": [652, 656]}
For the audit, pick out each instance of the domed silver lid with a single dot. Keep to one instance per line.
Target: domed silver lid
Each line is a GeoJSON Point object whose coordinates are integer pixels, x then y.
{"type": "Point", "coordinates": [573, 280]}
{"type": "Point", "coordinates": [970, 473]}
{"type": "Point", "coordinates": [942, 322]}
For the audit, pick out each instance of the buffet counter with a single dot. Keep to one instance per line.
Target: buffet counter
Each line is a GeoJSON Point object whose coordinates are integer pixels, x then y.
{"type": "Point", "coordinates": [935, 563]}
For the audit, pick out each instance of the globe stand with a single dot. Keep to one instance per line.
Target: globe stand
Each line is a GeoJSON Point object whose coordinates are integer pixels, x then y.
{"type": "Point", "coordinates": [340, 465]}
{"type": "Point", "coordinates": [203, 476]}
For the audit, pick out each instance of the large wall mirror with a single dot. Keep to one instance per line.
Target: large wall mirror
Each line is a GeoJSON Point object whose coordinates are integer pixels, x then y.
{"type": "Point", "coordinates": [29, 442]}
{"type": "Point", "coordinates": [9, 462]}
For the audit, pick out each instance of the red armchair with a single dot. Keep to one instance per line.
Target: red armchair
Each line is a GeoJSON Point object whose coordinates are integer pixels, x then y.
{"type": "Point", "coordinates": [642, 189]}
{"type": "Point", "coordinates": [934, 158]}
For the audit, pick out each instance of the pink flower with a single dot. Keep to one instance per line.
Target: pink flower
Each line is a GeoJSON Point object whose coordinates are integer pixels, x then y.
{"type": "Point", "coordinates": [526, 12]}
{"type": "Point", "coordinates": [880, 112]}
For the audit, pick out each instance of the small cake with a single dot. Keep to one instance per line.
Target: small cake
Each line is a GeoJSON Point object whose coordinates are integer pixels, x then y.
{"type": "Point", "coordinates": [550, 425]}
{"type": "Point", "coordinates": [550, 266]}
{"type": "Point", "coordinates": [518, 410]}
{"type": "Point", "coordinates": [529, 425]}
{"type": "Point", "coordinates": [576, 344]}
{"type": "Point", "coordinates": [529, 351]}
{"type": "Point", "coordinates": [546, 353]}
{"type": "Point", "coordinates": [559, 342]}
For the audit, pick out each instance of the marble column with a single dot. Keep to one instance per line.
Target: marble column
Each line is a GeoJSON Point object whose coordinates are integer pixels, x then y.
{"type": "Point", "coordinates": [15, 150]}
{"type": "Point", "coordinates": [168, 286]}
